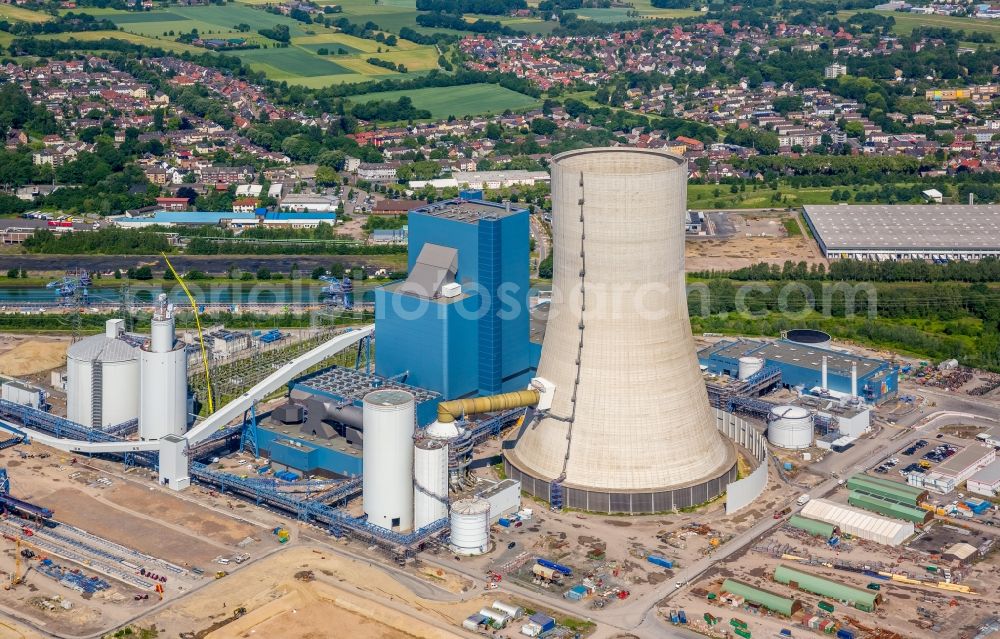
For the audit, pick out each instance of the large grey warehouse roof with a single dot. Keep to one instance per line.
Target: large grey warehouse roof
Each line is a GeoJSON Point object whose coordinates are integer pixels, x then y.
{"type": "Point", "coordinates": [101, 348]}
{"type": "Point", "coordinates": [919, 227]}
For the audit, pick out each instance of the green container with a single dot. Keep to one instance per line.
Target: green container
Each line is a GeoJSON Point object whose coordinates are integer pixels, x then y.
{"type": "Point", "coordinates": [826, 606]}
{"type": "Point", "coordinates": [737, 623]}
{"type": "Point", "coordinates": [711, 596]}
{"type": "Point", "coordinates": [743, 633]}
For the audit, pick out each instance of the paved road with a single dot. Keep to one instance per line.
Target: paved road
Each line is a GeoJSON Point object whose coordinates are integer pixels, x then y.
{"type": "Point", "coordinates": [541, 236]}
{"type": "Point", "coordinates": [212, 264]}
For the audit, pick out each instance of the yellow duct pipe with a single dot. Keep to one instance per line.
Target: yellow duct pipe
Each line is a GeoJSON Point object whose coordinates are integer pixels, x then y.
{"type": "Point", "coordinates": [451, 410]}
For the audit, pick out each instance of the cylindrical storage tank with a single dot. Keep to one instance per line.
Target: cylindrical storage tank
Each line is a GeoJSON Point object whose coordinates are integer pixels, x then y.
{"type": "Point", "coordinates": [389, 417]}
{"type": "Point", "coordinates": [790, 427]}
{"type": "Point", "coordinates": [163, 402]}
{"type": "Point", "coordinates": [809, 337]}
{"type": "Point", "coordinates": [749, 365]}
{"type": "Point", "coordinates": [470, 526]}
{"type": "Point", "coordinates": [430, 481]}
{"type": "Point", "coordinates": [102, 381]}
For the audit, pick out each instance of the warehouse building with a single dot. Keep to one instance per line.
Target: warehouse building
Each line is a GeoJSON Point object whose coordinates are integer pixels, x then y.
{"type": "Point", "coordinates": [950, 474]}
{"type": "Point", "coordinates": [801, 366]}
{"type": "Point", "coordinates": [986, 482]}
{"type": "Point", "coordinates": [763, 598]}
{"type": "Point", "coordinates": [886, 489]}
{"type": "Point", "coordinates": [890, 509]}
{"type": "Point", "coordinates": [814, 527]}
{"type": "Point", "coordinates": [881, 530]}
{"type": "Point", "coordinates": [865, 600]}
{"type": "Point", "coordinates": [906, 232]}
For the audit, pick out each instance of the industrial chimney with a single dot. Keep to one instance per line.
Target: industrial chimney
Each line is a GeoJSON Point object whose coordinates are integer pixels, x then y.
{"type": "Point", "coordinates": [163, 377]}
{"type": "Point", "coordinates": [630, 429]}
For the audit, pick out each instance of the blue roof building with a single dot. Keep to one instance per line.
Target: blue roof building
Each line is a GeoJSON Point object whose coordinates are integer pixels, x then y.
{"type": "Point", "coordinates": [802, 366]}
{"type": "Point", "coordinates": [459, 323]}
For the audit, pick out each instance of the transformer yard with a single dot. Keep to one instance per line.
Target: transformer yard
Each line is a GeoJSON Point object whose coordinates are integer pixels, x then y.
{"type": "Point", "coordinates": [442, 473]}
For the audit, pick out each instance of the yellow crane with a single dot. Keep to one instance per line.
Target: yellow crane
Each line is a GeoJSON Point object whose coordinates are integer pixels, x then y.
{"type": "Point", "coordinates": [17, 577]}
{"type": "Point", "coordinates": [201, 337]}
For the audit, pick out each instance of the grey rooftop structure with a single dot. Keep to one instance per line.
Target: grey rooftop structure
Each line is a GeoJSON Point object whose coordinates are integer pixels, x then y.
{"type": "Point", "coordinates": [884, 232]}
{"type": "Point", "coordinates": [470, 211]}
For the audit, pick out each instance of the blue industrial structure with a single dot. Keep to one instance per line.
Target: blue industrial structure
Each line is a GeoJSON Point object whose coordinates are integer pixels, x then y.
{"type": "Point", "coordinates": [467, 342]}
{"type": "Point", "coordinates": [801, 366]}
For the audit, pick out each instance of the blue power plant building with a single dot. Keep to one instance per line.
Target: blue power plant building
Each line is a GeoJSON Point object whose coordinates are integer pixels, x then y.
{"type": "Point", "coordinates": [459, 324]}
{"type": "Point", "coordinates": [801, 366]}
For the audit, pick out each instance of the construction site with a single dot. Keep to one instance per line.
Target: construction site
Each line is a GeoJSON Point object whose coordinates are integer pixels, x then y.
{"type": "Point", "coordinates": [446, 471]}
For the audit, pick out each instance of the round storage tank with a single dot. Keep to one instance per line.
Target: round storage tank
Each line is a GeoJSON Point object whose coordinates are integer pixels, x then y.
{"type": "Point", "coordinates": [470, 526]}
{"type": "Point", "coordinates": [809, 337]}
{"type": "Point", "coordinates": [749, 365]}
{"type": "Point", "coordinates": [102, 380]}
{"type": "Point", "coordinates": [163, 406]}
{"type": "Point", "coordinates": [387, 456]}
{"type": "Point", "coordinates": [790, 427]}
{"type": "Point", "coordinates": [430, 478]}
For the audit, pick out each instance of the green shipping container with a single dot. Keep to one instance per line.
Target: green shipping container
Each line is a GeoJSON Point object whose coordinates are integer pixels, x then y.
{"type": "Point", "coordinates": [825, 606]}
{"type": "Point", "coordinates": [737, 623]}
{"type": "Point", "coordinates": [743, 633]}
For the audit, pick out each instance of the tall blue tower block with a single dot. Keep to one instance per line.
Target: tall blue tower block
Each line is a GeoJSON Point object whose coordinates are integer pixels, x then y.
{"type": "Point", "coordinates": [459, 323]}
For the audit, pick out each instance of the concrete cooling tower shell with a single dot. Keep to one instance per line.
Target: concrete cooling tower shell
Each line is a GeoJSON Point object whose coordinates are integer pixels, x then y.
{"type": "Point", "coordinates": [630, 428]}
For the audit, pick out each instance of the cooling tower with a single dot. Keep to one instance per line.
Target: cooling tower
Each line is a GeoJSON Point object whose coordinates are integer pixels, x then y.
{"type": "Point", "coordinates": [630, 429]}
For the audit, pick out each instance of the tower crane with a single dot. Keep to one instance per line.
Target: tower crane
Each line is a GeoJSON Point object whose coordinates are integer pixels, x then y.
{"type": "Point", "coordinates": [17, 577]}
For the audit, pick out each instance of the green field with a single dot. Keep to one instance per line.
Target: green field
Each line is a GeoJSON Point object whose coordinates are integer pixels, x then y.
{"type": "Point", "coordinates": [718, 196]}
{"type": "Point", "coordinates": [531, 25]}
{"type": "Point", "coordinates": [473, 99]}
{"type": "Point", "coordinates": [907, 22]}
{"type": "Point", "coordinates": [298, 63]}
{"type": "Point", "coordinates": [622, 14]}
{"type": "Point", "coordinates": [92, 36]}
{"type": "Point", "coordinates": [20, 14]}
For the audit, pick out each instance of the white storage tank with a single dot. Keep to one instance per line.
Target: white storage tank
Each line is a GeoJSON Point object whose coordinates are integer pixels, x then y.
{"type": "Point", "coordinates": [163, 406]}
{"type": "Point", "coordinates": [470, 526]}
{"type": "Point", "coordinates": [749, 365]}
{"type": "Point", "coordinates": [389, 418]}
{"type": "Point", "coordinates": [790, 427]}
{"type": "Point", "coordinates": [102, 379]}
{"type": "Point", "coordinates": [430, 478]}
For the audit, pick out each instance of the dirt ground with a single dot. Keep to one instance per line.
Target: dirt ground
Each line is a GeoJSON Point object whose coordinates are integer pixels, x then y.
{"type": "Point", "coordinates": [357, 599]}
{"type": "Point", "coordinates": [26, 355]}
{"type": "Point", "coordinates": [738, 252]}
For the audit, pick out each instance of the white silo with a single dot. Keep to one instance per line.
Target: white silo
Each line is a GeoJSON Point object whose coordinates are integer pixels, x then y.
{"type": "Point", "coordinates": [389, 418]}
{"type": "Point", "coordinates": [748, 366]}
{"type": "Point", "coordinates": [430, 481]}
{"type": "Point", "coordinates": [163, 372]}
{"type": "Point", "coordinates": [470, 526]}
{"type": "Point", "coordinates": [102, 379]}
{"type": "Point", "coordinates": [790, 427]}
{"type": "Point", "coordinates": [630, 429]}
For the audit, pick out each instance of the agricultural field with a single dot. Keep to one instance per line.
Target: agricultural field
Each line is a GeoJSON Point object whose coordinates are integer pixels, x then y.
{"type": "Point", "coordinates": [20, 14]}
{"type": "Point", "coordinates": [299, 63]}
{"type": "Point", "coordinates": [907, 22]}
{"type": "Point", "coordinates": [530, 25]}
{"type": "Point", "coordinates": [459, 101]}
{"type": "Point", "coordinates": [166, 44]}
{"type": "Point", "coordinates": [621, 14]}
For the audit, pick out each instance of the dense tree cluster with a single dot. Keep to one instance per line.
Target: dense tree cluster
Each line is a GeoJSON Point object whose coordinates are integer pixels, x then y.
{"type": "Point", "coordinates": [109, 241]}
{"type": "Point", "coordinates": [386, 111]}
{"type": "Point", "coordinates": [486, 7]}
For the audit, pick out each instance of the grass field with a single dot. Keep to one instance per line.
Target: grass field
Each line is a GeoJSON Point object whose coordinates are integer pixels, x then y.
{"type": "Point", "coordinates": [907, 22]}
{"type": "Point", "coordinates": [289, 63]}
{"type": "Point", "coordinates": [459, 101]}
{"type": "Point", "coordinates": [92, 36]}
{"type": "Point", "coordinates": [703, 196]}
{"type": "Point", "coordinates": [20, 14]}
{"type": "Point", "coordinates": [622, 14]}
{"type": "Point", "coordinates": [531, 25]}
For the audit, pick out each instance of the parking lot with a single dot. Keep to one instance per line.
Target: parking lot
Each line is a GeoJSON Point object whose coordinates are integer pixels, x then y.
{"type": "Point", "coordinates": [919, 457]}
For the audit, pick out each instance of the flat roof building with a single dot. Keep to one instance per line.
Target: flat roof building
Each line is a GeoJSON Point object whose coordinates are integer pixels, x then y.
{"type": "Point", "coordinates": [966, 463]}
{"type": "Point", "coordinates": [986, 482]}
{"type": "Point", "coordinates": [801, 365]}
{"type": "Point", "coordinates": [905, 231]}
{"type": "Point", "coordinates": [886, 489]}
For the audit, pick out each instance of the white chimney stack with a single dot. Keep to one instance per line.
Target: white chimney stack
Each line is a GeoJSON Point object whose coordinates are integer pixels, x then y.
{"type": "Point", "coordinates": [823, 384]}
{"type": "Point", "coordinates": [854, 379]}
